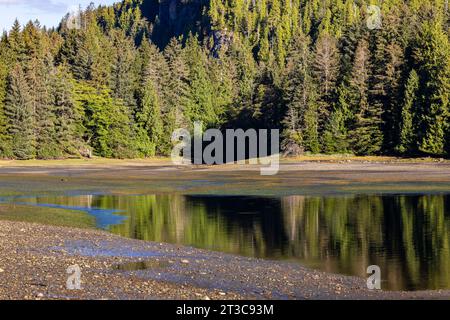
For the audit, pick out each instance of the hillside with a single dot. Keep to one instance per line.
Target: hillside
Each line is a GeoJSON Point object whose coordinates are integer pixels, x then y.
{"type": "Point", "coordinates": [329, 74]}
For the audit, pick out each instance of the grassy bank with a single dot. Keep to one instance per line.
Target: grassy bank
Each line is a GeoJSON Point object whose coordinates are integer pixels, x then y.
{"type": "Point", "coordinates": [47, 216]}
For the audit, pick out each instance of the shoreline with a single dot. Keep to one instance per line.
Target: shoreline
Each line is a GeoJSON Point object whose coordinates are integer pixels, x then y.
{"type": "Point", "coordinates": [167, 161]}
{"type": "Point", "coordinates": [34, 259]}
{"type": "Point", "coordinates": [294, 178]}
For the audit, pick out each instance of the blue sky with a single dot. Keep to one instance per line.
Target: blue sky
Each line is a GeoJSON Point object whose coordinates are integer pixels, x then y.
{"type": "Point", "coordinates": [48, 12]}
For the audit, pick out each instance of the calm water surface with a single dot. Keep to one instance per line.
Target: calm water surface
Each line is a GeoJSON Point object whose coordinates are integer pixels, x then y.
{"type": "Point", "coordinates": [408, 236]}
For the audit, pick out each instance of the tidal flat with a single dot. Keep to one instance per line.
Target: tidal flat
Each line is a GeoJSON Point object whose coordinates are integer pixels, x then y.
{"type": "Point", "coordinates": [151, 230]}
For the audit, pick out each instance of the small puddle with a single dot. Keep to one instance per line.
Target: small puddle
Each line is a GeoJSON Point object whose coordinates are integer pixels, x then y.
{"type": "Point", "coordinates": [142, 265]}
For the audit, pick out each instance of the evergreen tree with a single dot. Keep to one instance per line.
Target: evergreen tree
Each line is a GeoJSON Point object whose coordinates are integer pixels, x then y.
{"type": "Point", "coordinates": [366, 133]}
{"type": "Point", "coordinates": [326, 68]}
{"type": "Point", "coordinates": [408, 129]}
{"type": "Point", "coordinates": [178, 82]}
{"type": "Point", "coordinates": [432, 60]}
{"type": "Point", "coordinates": [131, 74]}
{"type": "Point", "coordinates": [301, 121]}
{"type": "Point", "coordinates": [3, 88]}
{"type": "Point", "coordinates": [335, 138]}
{"type": "Point", "coordinates": [387, 62]}
{"type": "Point", "coordinates": [109, 130]}
{"type": "Point", "coordinates": [69, 129]}
{"type": "Point", "coordinates": [201, 107]}
{"type": "Point", "coordinates": [20, 117]}
{"type": "Point", "coordinates": [123, 74]}
{"type": "Point", "coordinates": [40, 71]}
{"type": "Point", "coordinates": [16, 44]}
{"type": "Point", "coordinates": [152, 99]}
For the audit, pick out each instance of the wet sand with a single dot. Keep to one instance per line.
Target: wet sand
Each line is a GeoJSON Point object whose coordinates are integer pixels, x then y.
{"type": "Point", "coordinates": [145, 177]}
{"type": "Point", "coordinates": [34, 260]}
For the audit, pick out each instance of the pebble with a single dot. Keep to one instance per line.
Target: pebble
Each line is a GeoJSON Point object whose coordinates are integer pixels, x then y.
{"type": "Point", "coordinates": [34, 266]}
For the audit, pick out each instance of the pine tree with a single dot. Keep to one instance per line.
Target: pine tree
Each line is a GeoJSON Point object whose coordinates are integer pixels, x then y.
{"type": "Point", "coordinates": [265, 110]}
{"type": "Point", "coordinates": [326, 68]}
{"type": "Point", "coordinates": [16, 44]}
{"type": "Point", "coordinates": [408, 129]}
{"type": "Point", "coordinates": [3, 87]}
{"type": "Point", "coordinates": [201, 107]}
{"type": "Point", "coordinates": [108, 125]}
{"type": "Point", "coordinates": [39, 75]}
{"type": "Point", "coordinates": [100, 54]}
{"type": "Point", "coordinates": [222, 74]}
{"type": "Point", "coordinates": [20, 117]}
{"type": "Point", "coordinates": [149, 116]}
{"type": "Point", "coordinates": [178, 94]}
{"type": "Point", "coordinates": [366, 133]}
{"type": "Point", "coordinates": [123, 75]}
{"type": "Point", "coordinates": [246, 71]}
{"type": "Point", "coordinates": [69, 129]}
{"type": "Point", "coordinates": [432, 60]}
{"type": "Point", "coordinates": [388, 64]}
{"type": "Point", "coordinates": [335, 138]}
{"type": "Point", "coordinates": [152, 100]}
{"type": "Point", "coordinates": [301, 121]}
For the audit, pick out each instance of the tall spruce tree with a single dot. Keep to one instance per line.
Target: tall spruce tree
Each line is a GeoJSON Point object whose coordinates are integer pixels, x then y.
{"type": "Point", "coordinates": [69, 129]}
{"type": "Point", "coordinates": [301, 121]}
{"type": "Point", "coordinates": [432, 61]}
{"type": "Point", "coordinates": [152, 99]}
{"type": "Point", "coordinates": [201, 106]}
{"type": "Point", "coordinates": [326, 68]}
{"type": "Point", "coordinates": [3, 88]}
{"type": "Point", "coordinates": [366, 134]}
{"type": "Point", "coordinates": [19, 116]}
{"type": "Point", "coordinates": [408, 125]}
{"type": "Point", "coordinates": [109, 129]}
{"type": "Point", "coordinates": [177, 86]}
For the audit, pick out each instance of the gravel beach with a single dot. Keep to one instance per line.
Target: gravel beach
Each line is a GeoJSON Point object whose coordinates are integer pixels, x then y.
{"type": "Point", "coordinates": [34, 261]}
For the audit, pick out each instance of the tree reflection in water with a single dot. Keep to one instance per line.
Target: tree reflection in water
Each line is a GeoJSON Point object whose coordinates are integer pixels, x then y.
{"type": "Point", "coordinates": [406, 235]}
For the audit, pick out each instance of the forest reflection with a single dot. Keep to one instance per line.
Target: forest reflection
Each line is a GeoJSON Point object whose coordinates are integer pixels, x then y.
{"type": "Point", "coordinates": [408, 236]}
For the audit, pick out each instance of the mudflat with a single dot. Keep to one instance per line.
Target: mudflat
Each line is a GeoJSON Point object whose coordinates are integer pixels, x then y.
{"type": "Point", "coordinates": [160, 176]}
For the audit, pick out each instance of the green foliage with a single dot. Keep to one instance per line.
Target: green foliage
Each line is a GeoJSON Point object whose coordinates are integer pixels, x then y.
{"type": "Point", "coordinates": [408, 128]}
{"type": "Point", "coordinates": [366, 135]}
{"type": "Point", "coordinates": [335, 138]}
{"type": "Point", "coordinates": [149, 115]}
{"type": "Point", "coordinates": [201, 106]}
{"type": "Point", "coordinates": [136, 71]}
{"type": "Point", "coordinates": [106, 120]}
{"type": "Point", "coordinates": [3, 87]}
{"type": "Point", "coordinates": [19, 113]}
{"type": "Point", "coordinates": [300, 95]}
{"type": "Point", "coordinates": [69, 116]}
{"type": "Point", "coordinates": [432, 60]}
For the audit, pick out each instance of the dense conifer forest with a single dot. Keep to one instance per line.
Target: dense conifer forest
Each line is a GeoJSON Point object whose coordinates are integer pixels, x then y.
{"type": "Point", "coordinates": [120, 83]}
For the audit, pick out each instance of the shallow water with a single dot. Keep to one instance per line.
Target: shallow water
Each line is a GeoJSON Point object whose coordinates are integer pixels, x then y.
{"type": "Point", "coordinates": [408, 236]}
